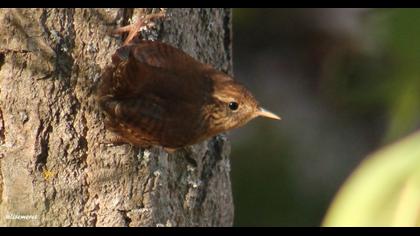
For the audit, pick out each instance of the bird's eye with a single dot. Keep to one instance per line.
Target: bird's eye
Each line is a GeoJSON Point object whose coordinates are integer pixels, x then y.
{"type": "Point", "coordinates": [233, 105]}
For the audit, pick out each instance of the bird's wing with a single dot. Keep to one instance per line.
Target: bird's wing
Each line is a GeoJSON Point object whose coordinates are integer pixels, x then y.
{"type": "Point", "coordinates": [160, 55]}
{"type": "Point", "coordinates": [152, 118]}
{"type": "Point", "coordinates": [157, 68]}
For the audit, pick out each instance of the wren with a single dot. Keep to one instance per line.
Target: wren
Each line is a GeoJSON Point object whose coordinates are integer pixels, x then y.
{"type": "Point", "coordinates": [155, 94]}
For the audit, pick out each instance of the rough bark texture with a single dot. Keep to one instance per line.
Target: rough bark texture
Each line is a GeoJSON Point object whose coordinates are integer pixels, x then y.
{"type": "Point", "coordinates": [55, 169]}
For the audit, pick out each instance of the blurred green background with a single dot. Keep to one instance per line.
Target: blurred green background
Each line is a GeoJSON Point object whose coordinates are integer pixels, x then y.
{"type": "Point", "coordinates": [346, 83]}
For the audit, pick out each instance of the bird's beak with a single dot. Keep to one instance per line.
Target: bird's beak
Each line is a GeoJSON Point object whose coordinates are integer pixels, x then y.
{"type": "Point", "coordinates": [263, 112]}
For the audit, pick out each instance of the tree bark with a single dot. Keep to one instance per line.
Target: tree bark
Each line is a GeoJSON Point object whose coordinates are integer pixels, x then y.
{"type": "Point", "coordinates": [55, 169]}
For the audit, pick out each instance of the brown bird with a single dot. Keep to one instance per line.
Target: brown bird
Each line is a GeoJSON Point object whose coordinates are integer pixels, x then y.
{"type": "Point", "coordinates": [155, 94]}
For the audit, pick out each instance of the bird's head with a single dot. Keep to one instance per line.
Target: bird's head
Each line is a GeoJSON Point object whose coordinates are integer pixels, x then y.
{"type": "Point", "coordinates": [232, 105]}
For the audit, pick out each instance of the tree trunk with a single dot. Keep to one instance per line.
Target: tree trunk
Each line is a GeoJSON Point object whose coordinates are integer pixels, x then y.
{"type": "Point", "coordinates": [55, 169]}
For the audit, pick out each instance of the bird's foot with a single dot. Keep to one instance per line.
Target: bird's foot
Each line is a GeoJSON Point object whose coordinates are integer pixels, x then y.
{"type": "Point", "coordinates": [114, 141]}
{"type": "Point", "coordinates": [134, 29]}
{"type": "Point", "coordinates": [170, 150]}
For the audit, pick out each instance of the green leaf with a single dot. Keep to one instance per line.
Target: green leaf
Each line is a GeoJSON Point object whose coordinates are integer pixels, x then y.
{"type": "Point", "coordinates": [383, 191]}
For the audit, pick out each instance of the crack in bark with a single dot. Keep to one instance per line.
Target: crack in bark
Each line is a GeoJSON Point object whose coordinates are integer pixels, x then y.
{"type": "Point", "coordinates": [2, 130]}
{"type": "Point", "coordinates": [213, 157]}
{"type": "Point", "coordinates": [127, 15]}
{"type": "Point", "coordinates": [1, 185]}
{"type": "Point", "coordinates": [41, 145]}
{"type": "Point", "coordinates": [2, 59]}
{"type": "Point", "coordinates": [83, 142]}
{"type": "Point", "coordinates": [124, 214]}
{"type": "Point", "coordinates": [62, 45]}
{"type": "Point", "coordinates": [42, 22]}
{"type": "Point", "coordinates": [8, 50]}
{"type": "Point", "coordinates": [227, 40]}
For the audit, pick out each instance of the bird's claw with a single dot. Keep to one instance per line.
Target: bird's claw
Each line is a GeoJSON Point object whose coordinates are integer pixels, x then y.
{"type": "Point", "coordinates": [135, 28]}
{"type": "Point", "coordinates": [113, 141]}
